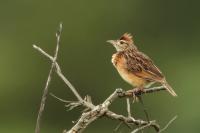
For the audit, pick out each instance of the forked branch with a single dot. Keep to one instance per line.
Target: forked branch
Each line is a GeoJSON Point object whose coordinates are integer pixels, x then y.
{"type": "Point", "coordinates": [45, 91]}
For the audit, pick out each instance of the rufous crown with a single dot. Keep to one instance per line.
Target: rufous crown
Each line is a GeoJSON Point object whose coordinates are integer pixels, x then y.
{"type": "Point", "coordinates": [127, 37]}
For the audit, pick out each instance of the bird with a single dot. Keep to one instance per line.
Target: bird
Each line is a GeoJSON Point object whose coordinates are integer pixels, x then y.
{"type": "Point", "coordinates": [134, 66]}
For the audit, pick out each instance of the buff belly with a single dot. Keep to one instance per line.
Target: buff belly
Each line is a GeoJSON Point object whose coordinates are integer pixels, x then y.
{"type": "Point", "coordinates": [131, 78]}
{"type": "Point", "coordinates": [120, 65]}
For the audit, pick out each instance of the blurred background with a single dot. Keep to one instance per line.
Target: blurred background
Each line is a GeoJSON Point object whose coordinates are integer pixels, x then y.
{"type": "Point", "coordinates": [167, 31]}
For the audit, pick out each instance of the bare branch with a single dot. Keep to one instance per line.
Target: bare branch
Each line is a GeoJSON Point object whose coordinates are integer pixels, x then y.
{"type": "Point", "coordinates": [43, 52]}
{"type": "Point", "coordinates": [131, 93]}
{"type": "Point", "coordinates": [167, 125]}
{"type": "Point", "coordinates": [143, 127]}
{"type": "Point", "coordinates": [112, 97]}
{"type": "Point", "coordinates": [45, 92]}
{"type": "Point", "coordinates": [58, 70]}
{"type": "Point", "coordinates": [128, 120]}
{"type": "Point", "coordinates": [118, 126]}
{"type": "Point", "coordinates": [60, 99]}
{"type": "Point", "coordinates": [86, 119]}
{"type": "Point", "coordinates": [102, 109]}
{"type": "Point", "coordinates": [154, 89]}
{"type": "Point", "coordinates": [128, 107]}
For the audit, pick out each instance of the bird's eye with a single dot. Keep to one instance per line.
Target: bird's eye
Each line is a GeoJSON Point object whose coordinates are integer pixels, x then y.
{"type": "Point", "coordinates": [122, 42]}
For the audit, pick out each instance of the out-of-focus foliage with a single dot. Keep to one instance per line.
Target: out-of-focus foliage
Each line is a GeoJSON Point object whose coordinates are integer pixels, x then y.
{"type": "Point", "coordinates": [167, 31]}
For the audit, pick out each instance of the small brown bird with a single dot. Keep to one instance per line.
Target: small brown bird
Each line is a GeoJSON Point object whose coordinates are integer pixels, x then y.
{"type": "Point", "coordinates": [135, 67]}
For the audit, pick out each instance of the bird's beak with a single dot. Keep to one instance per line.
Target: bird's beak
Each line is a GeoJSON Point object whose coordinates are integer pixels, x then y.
{"type": "Point", "coordinates": [111, 41]}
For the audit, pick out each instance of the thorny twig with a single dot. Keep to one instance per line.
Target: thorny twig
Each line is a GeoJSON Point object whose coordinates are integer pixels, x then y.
{"type": "Point", "coordinates": [92, 111]}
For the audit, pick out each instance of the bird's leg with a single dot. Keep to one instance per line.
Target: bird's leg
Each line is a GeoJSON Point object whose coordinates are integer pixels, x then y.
{"type": "Point", "coordinates": [144, 108]}
{"type": "Point", "coordinates": [136, 92]}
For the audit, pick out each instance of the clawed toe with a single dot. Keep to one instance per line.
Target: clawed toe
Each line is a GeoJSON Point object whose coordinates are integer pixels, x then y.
{"type": "Point", "coordinates": [135, 93]}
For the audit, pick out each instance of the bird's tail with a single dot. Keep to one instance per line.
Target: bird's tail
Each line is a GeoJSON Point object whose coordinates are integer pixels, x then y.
{"type": "Point", "coordinates": [169, 88]}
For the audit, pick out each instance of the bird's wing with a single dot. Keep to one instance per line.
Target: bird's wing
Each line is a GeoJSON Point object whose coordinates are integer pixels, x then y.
{"type": "Point", "coordinates": [142, 66]}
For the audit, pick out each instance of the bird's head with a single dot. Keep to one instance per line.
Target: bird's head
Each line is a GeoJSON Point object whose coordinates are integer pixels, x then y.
{"type": "Point", "coordinates": [123, 43]}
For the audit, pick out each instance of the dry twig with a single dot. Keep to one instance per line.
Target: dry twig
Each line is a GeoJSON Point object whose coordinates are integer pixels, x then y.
{"type": "Point", "coordinates": [45, 92]}
{"type": "Point", "coordinates": [167, 125]}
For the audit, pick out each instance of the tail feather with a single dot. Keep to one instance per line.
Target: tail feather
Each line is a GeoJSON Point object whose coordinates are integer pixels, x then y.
{"type": "Point", "coordinates": [169, 88]}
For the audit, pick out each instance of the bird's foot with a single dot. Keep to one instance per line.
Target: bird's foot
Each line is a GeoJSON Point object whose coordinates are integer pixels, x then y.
{"type": "Point", "coordinates": [136, 92]}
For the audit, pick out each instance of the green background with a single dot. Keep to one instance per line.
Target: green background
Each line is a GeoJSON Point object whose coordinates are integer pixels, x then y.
{"type": "Point", "coordinates": [167, 31]}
